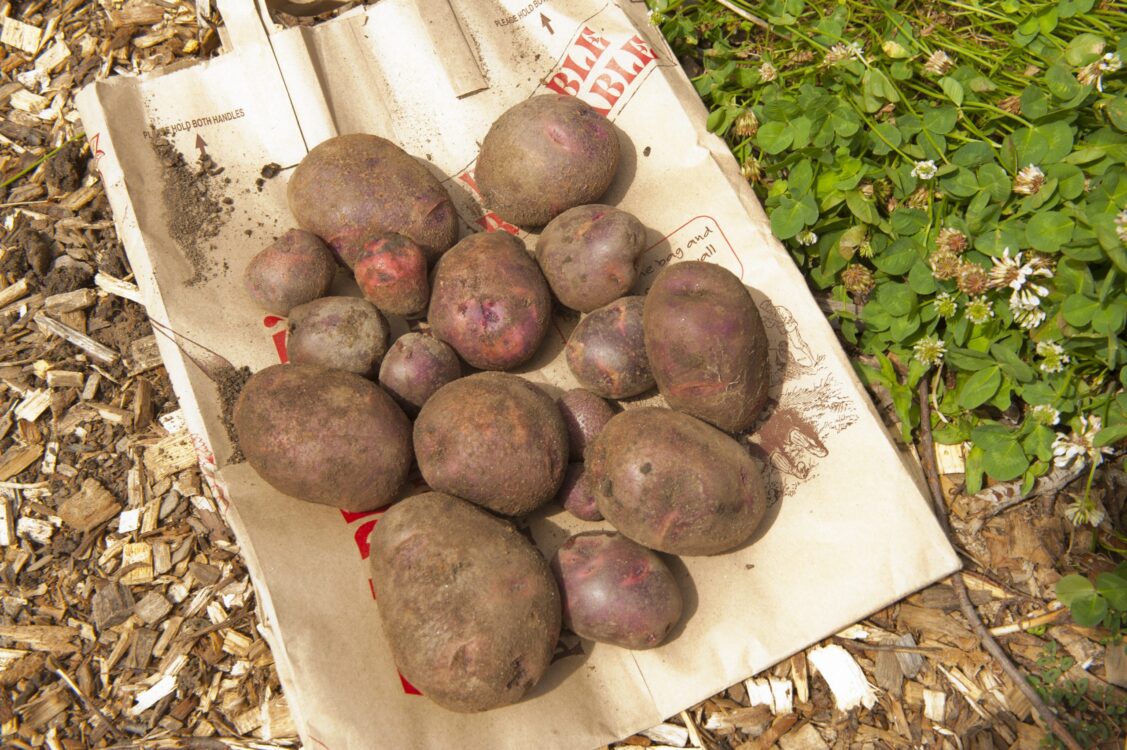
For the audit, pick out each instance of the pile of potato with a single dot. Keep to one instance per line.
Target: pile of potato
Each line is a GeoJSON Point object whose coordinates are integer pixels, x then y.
{"type": "Point", "coordinates": [471, 608]}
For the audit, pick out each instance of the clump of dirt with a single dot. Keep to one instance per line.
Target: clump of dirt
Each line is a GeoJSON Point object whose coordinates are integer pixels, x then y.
{"type": "Point", "coordinates": [230, 382]}
{"type": "Point", "coordinates": [117, 323]}
{"type": "Point", "coordinates": [194, 206]}
{"type": "Point", "coordinates": [67, 278]}
{"type": "Point", "coordinates": [65, 170]}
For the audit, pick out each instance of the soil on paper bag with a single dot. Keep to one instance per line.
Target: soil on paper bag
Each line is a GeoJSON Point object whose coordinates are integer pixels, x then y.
{"type": "Point", "coordinates": [195, 208]}
{"type": "Point", "coordinates": [230, 383]}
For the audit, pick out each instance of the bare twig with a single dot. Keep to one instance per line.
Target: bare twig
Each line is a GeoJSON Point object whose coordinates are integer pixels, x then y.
{"type": "Point", "coordinates": [927, 459]}
{"type": "Point", "coordinates": [747, 16]}
{"type": "Point", "coordinates": [54, 665]}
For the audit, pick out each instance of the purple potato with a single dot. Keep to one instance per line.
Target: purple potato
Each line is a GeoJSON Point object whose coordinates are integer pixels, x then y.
{"type": "Point", "coordinates": [614, 590]}
{"type": "Point", "coordinates": [606, 351]}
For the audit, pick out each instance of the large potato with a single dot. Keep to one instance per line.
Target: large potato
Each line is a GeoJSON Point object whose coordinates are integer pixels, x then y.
{"type": "Point", "coordinates": [351, 187]}
{"type": "Point", "coordinates": [324, 436]}
{"type": "Point", "coordinates": [490, 301]}
{"type": "Point", "coordinates": [494, 439]}
{"type": "Point", "coordinates": [469, 607]}
{"type": "Point", "coordinates": [674, 483]}
{"type": "Point", "coordinates": [706, 344]}
{"type": "Point", "coordinates": [545, 155]}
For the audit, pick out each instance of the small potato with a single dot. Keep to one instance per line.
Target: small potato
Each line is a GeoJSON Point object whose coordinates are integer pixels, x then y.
{"type": "Point", "coordinates": [391, 272]}
{"type": "Point", "coordinates": [674, 483]}
{"type": "Point", "coordinates": [490, 301]}
{"type": "Point", "coordinates": [324, 436]}
{"type": "Point", "coordinates": [585, 414]}
{"type": "Point", "coordinates": [297, 268]}
{"type": "Point", "coordinates": [415, 367]}
{"type": "Point", "coordinates": [545, 155]}
{"type": "Point", "coordinates": [345, 333]}
{"type": "Point", "coordinates": [576, 495]}
{"type": "Point", "coordinates": [469, 607]}
{"type": "Point", "coordinates": [350, 187]}
{"type": "Point", "coordinates": [615, 591]}
{"type": "Point", "coordinates": [494, 439]}
{"type": "Point", "coordinates": [706, 344]}
{"type": "Point", "coordinates": [606, 350]}
{"type": "Point", "coordinates": [589, 255]}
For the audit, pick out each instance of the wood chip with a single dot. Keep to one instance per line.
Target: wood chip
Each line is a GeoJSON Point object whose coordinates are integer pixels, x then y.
{"type": "Point", "coordinates": [79, 299]}
{"type": "Point", "coordinates": [846, 679]}
{"type": "Point", "coordinates": [147, 699]}
{"type": "Point", "coordinates": [118, 287]}
{"type": "Point", "coordinates": [935, 705]}
{"type": "Point", "coordinates": [52, 638]}
{"type": "Point", "coordinates": [34, 529]}
{"type": "Point", "coordinates": [90, 507]}
{"type": "Point", "coordinates": [33, 405]}
{"type": "Point", "coordinates": [152, 608]}
{"type": "Point", "coordinates": [144, 355]}
{"type": "Point", "coordinates": [673, 735]}
{"type": "Point", "coordinates": [139, 559]}
{"type": "Point", "coordinates": [112, 605]}
{"type": "Point", "coordinates": [99, 352]}
{"type": "Point", "coordinates": [806, 737]}
{"type": "Point", "coordinates": [13, 292]}
{"type": "Point", "coordinates": [22, 36]}
{"type": "Point", "coordinates": [171, 455]}
{"type": "Point", "coordinates": [17, 458]}
{"type": "Point", "coordinates": [7, 522]}
{"type": "Point", "coordinates": [778, 728]}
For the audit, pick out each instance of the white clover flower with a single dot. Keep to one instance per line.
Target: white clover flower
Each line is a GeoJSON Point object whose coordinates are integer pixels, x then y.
{"type": "Point", "coordinates": [1121, 226]}
{"type": "Point", "coordinates": [767, 72]}
{"type": "Point", "coordinates": [945, 305]}
{"type": "Point", "coordinates": [1110, 62]}
{"type": "Point", "coordinates": [1068, 448]}
{"type": "Point", "coordinates": [939, 63]}
{"type": "Point", "coordinates": [1044, 414]}
{"type": "Point", "coordinates": [929, 350]}
{"type": "Point", "coordinates": [842, 51]}
{"type": "Point", "coordinates": [1085, 512]}
{"type": "Point", "coordinates": [806, 237]}
{"type": "Point", "coordinates": [1026, 309]}
{"type": "Point", "coordinates": [979, 310]}
{"type": "Point", "coordinates": [1029, 180]}
{"type": "Point", "coordinates": [1089, 74]}
{"type": "Point", "coordinates": [1015, 273]}
{"type": "Point", "coordinates": [1054, 358]}
{"type": "Point", "coordinates": [924, 170]}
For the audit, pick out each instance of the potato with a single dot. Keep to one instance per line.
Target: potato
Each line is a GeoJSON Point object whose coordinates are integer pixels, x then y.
{"type": "Point", "coordinates": [576, 495]}
{"type": "Point", "coordinates": [606, 350]}
{"type": "Point", "coordinates": [494, 439]}
{"type": "Point", "coordinates": [391, 272]}
{"type": "Point", "coordinates": [469, 607]}
{"type": "Point", "coordinates": [589, 255]}
{"type": "Point", "coordinates": [585, 414]}
{"type": "Point", "coordinates": [415, 367]}
{"type": "Point", "coordinates": [706, 344]}
{"type": "Point", "coordinates": [351, 187]}
{"type": "Point", "coordinates": [615, 591]}
{"type": "Point", "coordinates": [324, 436]}
{"type": "Point", "coordinates": [295, 269]}
{"type": "Point", "coordinates": [674, 483]}
{"type": "Point", "coordinates": [545, 155]}
{"type": "Point", "coordinates": [490, 301]}
{"type": "Point", "coordinates": [345, 333]}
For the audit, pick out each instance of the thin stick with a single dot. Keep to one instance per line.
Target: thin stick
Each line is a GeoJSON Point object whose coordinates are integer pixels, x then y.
{"type": "Point", "coordinates": [83, 697]}
{"type": "Point", "coordinates": [747, 16]}
{"type": "Point", "coordinates": [927, 459]}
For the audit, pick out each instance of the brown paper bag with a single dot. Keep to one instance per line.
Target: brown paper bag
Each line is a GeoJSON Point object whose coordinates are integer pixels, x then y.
{"type": "Point", "coordinates": [848, 531]}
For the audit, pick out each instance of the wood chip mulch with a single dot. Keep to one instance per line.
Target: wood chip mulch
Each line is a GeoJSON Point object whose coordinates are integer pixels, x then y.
{"type": "Point", "coordinates": [127, 618]}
